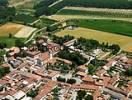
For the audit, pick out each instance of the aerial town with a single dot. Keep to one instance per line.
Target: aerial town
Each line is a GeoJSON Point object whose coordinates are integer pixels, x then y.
{"type": "Point", "coordinates": [37, 62]}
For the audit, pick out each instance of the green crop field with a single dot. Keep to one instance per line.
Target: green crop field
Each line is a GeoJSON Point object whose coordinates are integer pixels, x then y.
{"type": "Point", "coordinates": [113, 26]}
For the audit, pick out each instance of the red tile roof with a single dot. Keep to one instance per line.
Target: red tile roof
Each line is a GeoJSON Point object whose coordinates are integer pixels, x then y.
{"type": "Point", "coordinates": [46, 89]}
{"type": "Point", "coordinates": [88, 79]}
{"type": "Point", "coordinates": [44, 56]}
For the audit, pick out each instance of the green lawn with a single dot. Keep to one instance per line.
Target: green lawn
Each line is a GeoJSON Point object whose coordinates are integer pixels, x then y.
{"type": "Point", "coordinates": [117, 27]}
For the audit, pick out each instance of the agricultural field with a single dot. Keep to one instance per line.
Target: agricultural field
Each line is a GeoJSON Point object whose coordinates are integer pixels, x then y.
{"type": "Point", "coordinates": [124, 41]}
{"type": "Point", "coordinates": [25, 32]}
{"type": "Point", "coordinates": [8, 41]}
{"type": "Point", "coordinates": [16, 31]}
{"type": "Point", "coordinates": [112, 26]}
{"type": "Point", "coordinates": [121, 13]}
{"type": "Point", "coordinates": [24, 19]}
{"type": "Point", "coordinates": [23, 4]}
{"type": "Point", "coordinates": [44, 22]}
{"type": "Point", "coordinates": [92, 13]}
{"type": "Point", "coordinates": [69, 17]}
{"type": "Point", "coordinates": [50, 10]}
{"type": "Point", "coordinates": [9, 28]}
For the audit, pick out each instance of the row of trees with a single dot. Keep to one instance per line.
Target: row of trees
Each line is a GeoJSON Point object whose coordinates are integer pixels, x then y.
{"type": "Point", "coordinates": [43, 7]}
{"type": "Point", "coordinates": [70, 81]}
{"type": "Point", "coordinates": [86, 44]}
{"type": "Point", "coordinates": [61, 40]}
{"type": "Point", "coordinates": [90, 44]}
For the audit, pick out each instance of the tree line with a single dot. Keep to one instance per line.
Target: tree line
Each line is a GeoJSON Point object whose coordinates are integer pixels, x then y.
{"type": "Point", "coordinates": [90, 44]}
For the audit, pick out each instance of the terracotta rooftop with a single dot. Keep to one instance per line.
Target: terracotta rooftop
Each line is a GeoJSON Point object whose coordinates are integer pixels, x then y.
{"type": "Point", "coordinates": [5, 65]}
{"type": "Point", "coordinates": [44, 56]}
{"type": "Point", "coordinates": [85, 86]}
{"type": "Point", "coordinates": [52, 73]}
{"type": "Point", "coordinates": [88, 79]}
{"type": "Point", "coordinates": [129, 61]}
{"type": "Point", "coordinates": [14, 50]}
{"type": "Point", "coordinates": [83, 67]}
{"type": "Point", "coordinates": [46, 89]}
{"type": "Point", "coordinates": [81, 74]}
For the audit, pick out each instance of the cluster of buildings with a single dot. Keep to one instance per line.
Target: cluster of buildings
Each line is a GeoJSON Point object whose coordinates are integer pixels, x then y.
{"type": "Point", "coordinates": [29, 75]}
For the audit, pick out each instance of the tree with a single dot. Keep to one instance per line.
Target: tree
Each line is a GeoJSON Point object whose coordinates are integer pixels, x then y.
{"type": "Point", "coordinates": [61, 40]}
{"type": "Point", "coordinates": [91, 69]}
{"type": "Point", "coordinates": [32, 93]}
{"type": "Point", "coordinates": [56, 90]}
{"type": "Point", "coordinates": [3, 45]}
{"type": "Point", "coordinates": [64, 68]}
{"type": "Point", "coordinates": [115, 48]}
{"type": "Point", "coordinates": [61, 79]}
{"type": "Point", "coordinates": [10, 35]}
{"type": "Point", "coordinates": [71, 81]}
{"type": "Point", "coordinates": [75, 57]}
{"type": "Point", "coordinates": [98, 63]}
{"type": "Point", "coordinates": [89, 97]}
{"type": "Point", "coordinates": [4, 71]}
{"type": "Point", "coordinates": [19, 43]}
{"type": "Point", "coordinates": [128, 72]}
{"type": "Point", "coordinates": [81, 94]}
